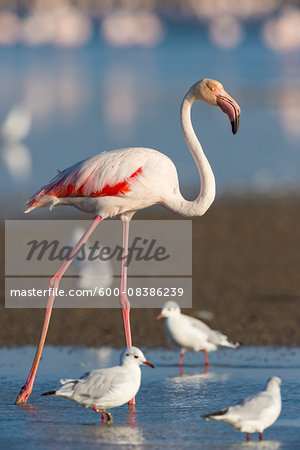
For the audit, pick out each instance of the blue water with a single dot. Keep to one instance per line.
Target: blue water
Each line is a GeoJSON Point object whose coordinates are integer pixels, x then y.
{"type": "Point", "coordinates": [169, 404]}
{"type": "Point", "coordinates": [87, 100]}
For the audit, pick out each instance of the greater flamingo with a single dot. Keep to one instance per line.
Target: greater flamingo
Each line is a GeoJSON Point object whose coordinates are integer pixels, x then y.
{"type": "Point", "coordinates": [120, 182]}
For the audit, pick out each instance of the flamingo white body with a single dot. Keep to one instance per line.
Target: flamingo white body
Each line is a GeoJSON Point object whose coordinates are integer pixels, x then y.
{"type": "Point", "coordinates": [191, 334]}
{"type": "Point", "coordinates": [106, 388]}
{"type": "Point", "coordinates": [255, 413]}
{"type": "Point", "coordinates": [136, 177]}
{"type": "Point", "coordinates": [123, 181]}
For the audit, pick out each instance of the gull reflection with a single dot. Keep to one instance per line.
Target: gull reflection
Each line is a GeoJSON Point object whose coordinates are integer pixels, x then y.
{"type": "Point", "coordinates": [258, 445]}
{"type": "Point", "coordinates": [198, 377]}
{"type": "Point", "coordinates": [120, 435]}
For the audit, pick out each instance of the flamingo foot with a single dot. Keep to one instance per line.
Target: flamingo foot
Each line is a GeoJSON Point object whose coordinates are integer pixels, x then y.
{"type": "Point", "coordinates": [24, 394]}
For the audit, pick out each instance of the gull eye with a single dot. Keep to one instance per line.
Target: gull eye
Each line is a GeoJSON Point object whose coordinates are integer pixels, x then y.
{"type": "Point", "coordinates": [127, 354]}
{"type": "Point", "coordinates": [136, 356]}
{"type": "Point", "coordinates": [169, 309]}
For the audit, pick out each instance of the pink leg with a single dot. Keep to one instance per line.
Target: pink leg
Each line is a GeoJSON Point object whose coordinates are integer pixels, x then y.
{"type": "Point", "coordinates": [99, 411]}
{"type": "Point", "coordinates": [52, 285]}
{"type": "Point", "coordinates": [206, 357]}
{"type": "Point", "coordinates": [260, 436]}
{"type": "Point", "coordinates": [247, 437]}
{"type": "Point", "coordinates": [181, 357]}
{"type": "Point", "coordinates": [125, 303]}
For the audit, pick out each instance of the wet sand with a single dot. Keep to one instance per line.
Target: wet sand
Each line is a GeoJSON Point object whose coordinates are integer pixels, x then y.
{"type": "Point", "coordinates": [246, 271]}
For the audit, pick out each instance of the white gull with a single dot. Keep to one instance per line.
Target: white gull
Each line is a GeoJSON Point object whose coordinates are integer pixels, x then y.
{"type": "Point", "coordinates": [190, 333]}
{"type": "Point", "coordinates": [106, 388]}
{"type": "Point", "coordinates": [255, 413]}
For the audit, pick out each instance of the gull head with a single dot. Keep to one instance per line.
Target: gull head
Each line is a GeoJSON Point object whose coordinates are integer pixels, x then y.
{"type": "Point", "coordinates": [273, 383]}
{"type": "Point", "coordinates": [169, 309]}
{"type": "Point", "coordinates": [133, 355]}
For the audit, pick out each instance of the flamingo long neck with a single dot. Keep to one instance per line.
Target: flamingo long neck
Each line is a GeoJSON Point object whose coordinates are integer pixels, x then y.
{"type": "Point", "coordinates": [201, 204]}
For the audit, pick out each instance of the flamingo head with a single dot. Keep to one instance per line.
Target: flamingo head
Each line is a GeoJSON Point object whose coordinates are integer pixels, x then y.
{"type": "Point", "coordinates": [213, 92]}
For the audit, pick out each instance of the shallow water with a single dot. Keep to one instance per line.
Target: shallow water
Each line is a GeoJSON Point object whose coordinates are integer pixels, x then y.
{"type": "Point", "coordinates": [169, 404]}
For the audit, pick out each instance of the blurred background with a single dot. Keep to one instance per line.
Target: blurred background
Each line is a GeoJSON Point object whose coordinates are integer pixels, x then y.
{"type": "Point", "coordinates": [79, 77]}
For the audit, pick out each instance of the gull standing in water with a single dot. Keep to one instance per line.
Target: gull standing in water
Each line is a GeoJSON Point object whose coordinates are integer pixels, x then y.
{"type": "Point", "coordinates": [190, 333]}
{"type": "Point", "coordinates": [106, 388]}
{"type": "Point", "coordinates": [254, 414]}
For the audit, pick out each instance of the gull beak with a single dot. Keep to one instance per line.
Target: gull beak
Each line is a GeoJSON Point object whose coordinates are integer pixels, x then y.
{"type": "Point", "coordinates": [160, 316]}
{"type": "Point", "coordinates": [231, 108]}
{"type": "Point", "coordinates": [147, 363]}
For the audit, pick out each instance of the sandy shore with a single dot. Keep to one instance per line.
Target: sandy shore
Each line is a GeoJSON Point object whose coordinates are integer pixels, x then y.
{"type": "Point", "coordinates": [246, 271]}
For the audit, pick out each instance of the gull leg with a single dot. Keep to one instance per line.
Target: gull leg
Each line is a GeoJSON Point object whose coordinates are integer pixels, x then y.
{"type": "Point", "coordinates": [109, 417]}
{"type": "Point", "coordinates": [247, 437]}
{"type": "Point", "coordinates": [101, 412]}
{"type": "Point", "coordinates": [206, 357]}
{"type": "Point", "coordinates": [260, 436]}
{"type": "Point", "coordinates": [181, 357]}
{"type": "Point", "coordinates": [53, 286]}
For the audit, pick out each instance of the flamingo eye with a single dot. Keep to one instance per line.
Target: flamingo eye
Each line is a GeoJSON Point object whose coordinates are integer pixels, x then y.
{"type": "Point", "coordinates": [136, 356]}
{"type": "Point", "coordinates": [213, 88]}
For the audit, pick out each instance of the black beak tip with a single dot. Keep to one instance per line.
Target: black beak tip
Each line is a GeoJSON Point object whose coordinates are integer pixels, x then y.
{"type": "Point", "coordinates": [233, 127]}
{"type": "Point", "coordinates": [235, 124]}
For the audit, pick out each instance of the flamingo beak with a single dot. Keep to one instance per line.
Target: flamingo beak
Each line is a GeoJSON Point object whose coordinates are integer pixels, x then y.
{"type": "Point", "coordinates": [160, 316]}
{"type": "Point", "coordinates": [147, 363]}
{"type": "Point", "coordinates": [229, 107]}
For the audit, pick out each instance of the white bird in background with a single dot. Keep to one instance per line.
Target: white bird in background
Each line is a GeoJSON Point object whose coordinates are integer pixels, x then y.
{"type": "Point", "coordinates": [106, 388]}
{"type": "Point", "coordinates": [121, 182]}
{"type": "Point", "coordinates": [15, 153]}
{"type": "Point", "coordinates": [190, 333]}
{"type": "Point", "coordinates": [91, 273]}
{"type": "Point", "coordinates": [254, 414]}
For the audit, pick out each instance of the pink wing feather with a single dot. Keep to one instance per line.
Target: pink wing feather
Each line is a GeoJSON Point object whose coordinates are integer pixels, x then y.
{"type": "Point", "coordinates": [107, 174]}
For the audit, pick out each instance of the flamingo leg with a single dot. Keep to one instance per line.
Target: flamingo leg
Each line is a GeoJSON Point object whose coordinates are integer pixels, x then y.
{"type": "Point", "coordinates": [53, 286]}
{"type": "Point", "coordinates": [247, 437]}
{"type": "Point", "coordinates": [260, 436]}
{"type": "Point", "coordinates": [125, 303]}
{"type": "Point", "coordinates": [181, 357]}
{"type": "Point", "coordinates": [206, 357]}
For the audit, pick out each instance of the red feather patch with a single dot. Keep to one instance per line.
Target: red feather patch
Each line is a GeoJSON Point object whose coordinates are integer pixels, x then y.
{"type": "Point", "coordinates": [60, 190]}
